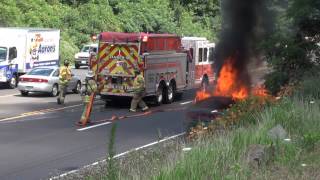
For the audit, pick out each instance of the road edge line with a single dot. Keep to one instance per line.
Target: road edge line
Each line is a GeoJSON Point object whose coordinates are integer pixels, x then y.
{"type": "Point", "coordinates": [93, 126]}
{"type": "Point", "coordinates": [119, 155]}
{"type": "Point", "coordinates": [187, 102]}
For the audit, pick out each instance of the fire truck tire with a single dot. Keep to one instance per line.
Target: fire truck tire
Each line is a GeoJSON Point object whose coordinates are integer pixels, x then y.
{"type": "Point", "coordinates": [158, 99]}
{"type": "Point", "coordinates": [169, 94]}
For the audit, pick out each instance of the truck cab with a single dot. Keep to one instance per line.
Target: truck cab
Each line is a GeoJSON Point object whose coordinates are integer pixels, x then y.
{"type": "Point", "coordinates": [202, 52]}
{"type": "Point", "coordinates": [8, 68]}
{"type": "Point", "coordinates": [22, 49]}
{"type": "Point", "coordinates": [82, 57]}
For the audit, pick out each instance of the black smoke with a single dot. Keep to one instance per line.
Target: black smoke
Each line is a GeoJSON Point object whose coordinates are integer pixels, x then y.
{"type": "Point", "coordinates": [244, 24]}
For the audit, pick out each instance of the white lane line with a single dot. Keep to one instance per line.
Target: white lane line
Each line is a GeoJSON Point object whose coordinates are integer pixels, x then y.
{"type": "Point", "coordinates": [8, 95]}
{"type": "Point", "coordinates": [119, 155]}
{"type": "Point", "coordinates": [90, 127]}
{"type": "Point", "coordinates": [187, 102]}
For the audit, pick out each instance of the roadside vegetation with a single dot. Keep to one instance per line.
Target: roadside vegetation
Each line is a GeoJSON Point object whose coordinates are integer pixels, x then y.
{"type": "Point", "coordinates": [239, 144]}
{"type": "Point", "coordinates": [225, 155]}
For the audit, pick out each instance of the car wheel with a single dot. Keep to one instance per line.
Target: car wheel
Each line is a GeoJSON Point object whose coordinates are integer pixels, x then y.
{"type": "Point", "coordinates": [24, 93]}
{"type": "Point", "coordinates": [77, 66]}
{"type": "Point", "coordinates": [169, 94]}
{"type": "Point", "coordinates": [55, 90]}
{"type": "Point", "coordinates": [13, 82]}
{"type": "Point", "coordinates": [77, 88]}
{"type": "Point", "coordinates": [158, 99]}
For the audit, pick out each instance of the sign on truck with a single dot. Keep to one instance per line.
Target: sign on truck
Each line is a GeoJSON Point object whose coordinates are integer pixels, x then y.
{"type": "Point", "coordinates": [21, 49]}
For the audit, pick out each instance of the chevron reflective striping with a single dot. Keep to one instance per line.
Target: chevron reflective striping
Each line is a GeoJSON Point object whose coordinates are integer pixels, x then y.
{"type": "Point", "coordinates": [113, 67]}
{"type": "Point", "coordinates": [104, 46]}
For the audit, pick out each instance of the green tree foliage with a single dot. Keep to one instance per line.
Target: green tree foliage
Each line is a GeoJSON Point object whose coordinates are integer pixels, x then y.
{"type": "Point", "coordinates": [79, 19]}
{"type": "Point", "coordinates": [295, 38]}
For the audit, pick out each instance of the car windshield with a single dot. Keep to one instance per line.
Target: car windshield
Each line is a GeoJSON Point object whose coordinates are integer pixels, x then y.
{"type": "Point", "coordinates": [85, 49]}
{"type": "Point", "coordinates": [3, 53]}
{"type": "Point", "coordinates": [41, 72]}
{"type": "Point", "coordinates": [89, 49]}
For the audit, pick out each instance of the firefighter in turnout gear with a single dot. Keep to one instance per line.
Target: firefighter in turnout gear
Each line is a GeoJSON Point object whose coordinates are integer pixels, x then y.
{"type": "Point", "coordinates": [89, 87]}
{"type": "Point", "coordinates": [139, 91]}
{"type": "Point", "coordinates": [64, 78]}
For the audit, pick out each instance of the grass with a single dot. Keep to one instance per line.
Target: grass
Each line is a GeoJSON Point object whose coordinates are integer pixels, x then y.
{"type": "Point", "coordinates": [223, 155]}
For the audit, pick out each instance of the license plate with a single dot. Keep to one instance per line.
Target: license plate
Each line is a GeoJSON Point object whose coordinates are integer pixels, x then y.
{"type": "Point", "coordinates": [84, 62]}
{"type": "Point", "coordinates": [29, 87]}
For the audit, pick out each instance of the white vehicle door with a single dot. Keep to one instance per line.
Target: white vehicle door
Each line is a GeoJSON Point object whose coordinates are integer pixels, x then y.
{"type": "Point", "coordinates": [55, 77]}
{"type": "Point", "coordinates": [72, 83]}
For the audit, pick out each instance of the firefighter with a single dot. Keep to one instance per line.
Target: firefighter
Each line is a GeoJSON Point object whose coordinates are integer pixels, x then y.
{"type": "Point", "coordinates": [89, 87]}
{"type": "Point", "coordinates": [64, 78]}
{"type": "Point", "coordinates": [139, 91]}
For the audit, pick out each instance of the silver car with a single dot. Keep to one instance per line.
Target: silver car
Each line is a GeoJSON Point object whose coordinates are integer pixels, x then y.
{"type": "Point", "coordinates": [45, 79]}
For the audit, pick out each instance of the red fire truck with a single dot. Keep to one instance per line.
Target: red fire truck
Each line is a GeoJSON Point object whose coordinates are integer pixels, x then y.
{"type": "Point", "coordinates": [202, 52]}
{"type": "Point", "coordinates": [168, 68]}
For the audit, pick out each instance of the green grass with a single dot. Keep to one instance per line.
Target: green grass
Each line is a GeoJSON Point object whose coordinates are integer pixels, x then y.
{"type": "Point", "coordinates": [223, 155]}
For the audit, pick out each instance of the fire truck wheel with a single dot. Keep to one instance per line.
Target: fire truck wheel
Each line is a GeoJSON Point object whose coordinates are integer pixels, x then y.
{"type": "Point", "coordinates": [159, 95]}
{"type": "Point", "coordinates": [169, 94]}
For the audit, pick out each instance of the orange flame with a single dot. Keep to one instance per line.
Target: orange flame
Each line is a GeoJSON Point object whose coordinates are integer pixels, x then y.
{"type": "Point", "coordinates": [228, 83]}
{"type": "Point", "coordinates": [202, 95]}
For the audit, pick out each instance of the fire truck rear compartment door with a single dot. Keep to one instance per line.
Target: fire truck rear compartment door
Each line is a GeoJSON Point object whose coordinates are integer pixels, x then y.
{"type": "Point", "coordinates": [166, 67]}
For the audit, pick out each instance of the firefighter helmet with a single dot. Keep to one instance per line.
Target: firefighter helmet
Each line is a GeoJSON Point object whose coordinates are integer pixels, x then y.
{"type": "Point", "coordinates": [66, 62]}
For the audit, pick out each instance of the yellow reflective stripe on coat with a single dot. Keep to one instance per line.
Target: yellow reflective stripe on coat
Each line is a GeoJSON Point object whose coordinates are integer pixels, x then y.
{"type": "Point", "coordinates": [138, 83]}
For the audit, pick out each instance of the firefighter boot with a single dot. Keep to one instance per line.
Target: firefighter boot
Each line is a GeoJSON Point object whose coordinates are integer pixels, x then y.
{"type": "Point", "coordinates": [145, 108]}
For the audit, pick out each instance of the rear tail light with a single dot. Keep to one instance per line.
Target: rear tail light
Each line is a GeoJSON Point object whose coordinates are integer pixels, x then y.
{"type": "Point", "coordinates": [43, 80]}
{"type": "Point", "coordinates": [33, 80]}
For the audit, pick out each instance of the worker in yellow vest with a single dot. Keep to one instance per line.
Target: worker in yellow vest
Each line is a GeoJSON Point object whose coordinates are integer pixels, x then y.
{"type": "Point", "coordinates": [139, 92]}
{"type": "Point", "coordinates": [64, 78]}
{"type": "Point", "coordinates": [88, 88]}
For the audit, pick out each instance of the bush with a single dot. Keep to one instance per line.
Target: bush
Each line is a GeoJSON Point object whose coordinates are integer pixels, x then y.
{"type": "Point", "coordinates": [275, 80]}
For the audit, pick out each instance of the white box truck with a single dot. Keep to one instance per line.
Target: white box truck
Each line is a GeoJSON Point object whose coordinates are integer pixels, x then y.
{"type": "Point", "coordinates": [21, 49]}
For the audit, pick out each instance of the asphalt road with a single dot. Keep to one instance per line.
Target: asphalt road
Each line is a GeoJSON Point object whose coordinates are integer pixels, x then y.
{"type": "Point", "coordinates": [39, 139]}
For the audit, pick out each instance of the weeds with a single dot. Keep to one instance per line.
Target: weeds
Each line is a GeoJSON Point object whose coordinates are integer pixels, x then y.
{"type": "Point", "coordinates": [112, 166]}
{"type": "Point", "coordinates": [222, 157]}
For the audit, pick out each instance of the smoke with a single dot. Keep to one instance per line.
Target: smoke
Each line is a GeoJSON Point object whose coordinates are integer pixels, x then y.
{"type": "Point", "coordinates": [244, 24]}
